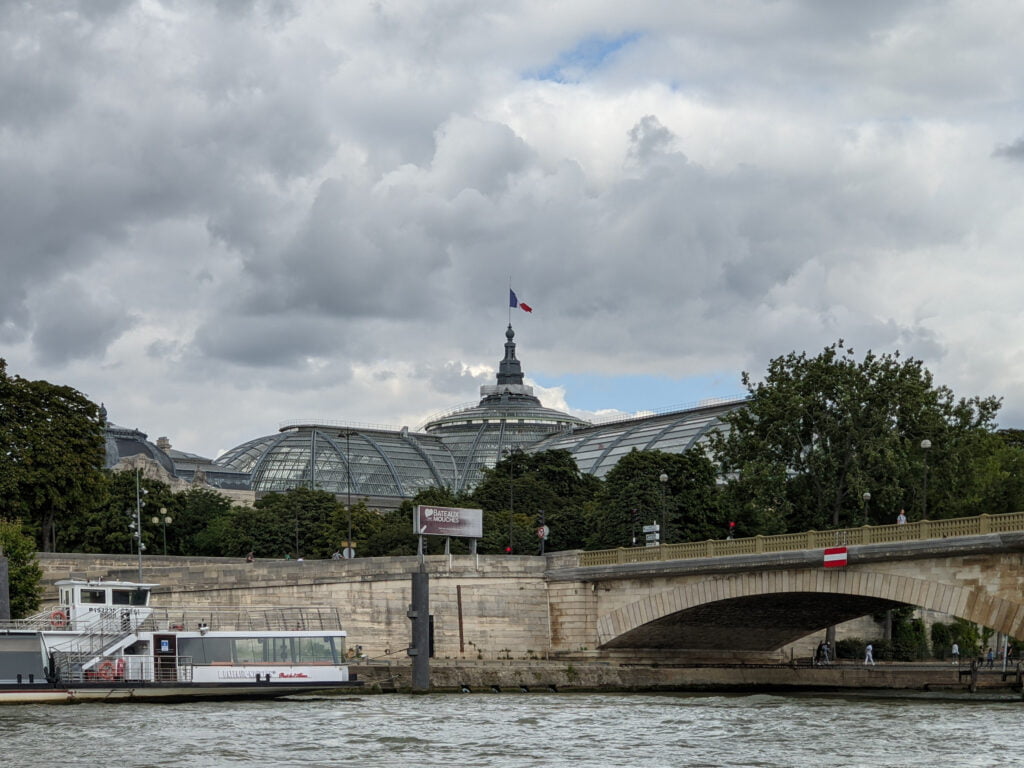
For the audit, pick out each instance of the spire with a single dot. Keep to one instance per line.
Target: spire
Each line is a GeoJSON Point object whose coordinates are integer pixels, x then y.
{"type": "Point", "coordinates": [510, 387]}
{"type": "Point", "coordinates": [509, 370]}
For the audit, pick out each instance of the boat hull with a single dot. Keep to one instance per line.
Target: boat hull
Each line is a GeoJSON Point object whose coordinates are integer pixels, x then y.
{"type": "Point", "coordinates": [165, 692]}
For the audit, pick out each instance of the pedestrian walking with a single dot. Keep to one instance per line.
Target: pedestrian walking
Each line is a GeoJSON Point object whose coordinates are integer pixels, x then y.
{"type": "Point", "coordinates": [869, 655]}
{"type": "Point", "coordinates": [901, 518]}
{"type": "Point", "coordinates": [956, 654]}
{"type": "Point", "coordinates": [990, 657]}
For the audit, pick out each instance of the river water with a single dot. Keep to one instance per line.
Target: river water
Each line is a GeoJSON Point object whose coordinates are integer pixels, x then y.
{"type": "Point", "coordinates": [513, 730]}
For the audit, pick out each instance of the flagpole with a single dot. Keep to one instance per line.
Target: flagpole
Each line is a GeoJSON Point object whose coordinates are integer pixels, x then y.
{"type": "Point", "coordinates": [510, 303]}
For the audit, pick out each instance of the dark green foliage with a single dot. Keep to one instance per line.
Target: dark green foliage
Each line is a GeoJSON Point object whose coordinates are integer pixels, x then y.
{"type": "Point", "coordinates": [942, 640]}
{"type": "Point", "coordinates": [108, 525]}
{"type": "Point", "coordinates": [967, 635]}
{"type": "Point", "coordinates": [393, 536]}
{"type": "Point", "coordinates": [909, 642]}
{"type": "Point", "coordinates": [548, 482]}
{"type": "Point", "coordinates": [820, 431]}
{"type": "Point", "coordinates": [850, 648]}
{"type": "Point", "coordinates": [52, 455]}
{"type": "Point", "coordinates": [196, 515]}
{"type": "Point", "coordinates": [290, 523]}
{"type": "Point", "coordinates": [633, 496]}
{"type": "Point", "coordinates": [23, 569]}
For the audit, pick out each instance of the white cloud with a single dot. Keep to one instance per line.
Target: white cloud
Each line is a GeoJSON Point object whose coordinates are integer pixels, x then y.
{"type": "Point", "coordinates": [222, 216]}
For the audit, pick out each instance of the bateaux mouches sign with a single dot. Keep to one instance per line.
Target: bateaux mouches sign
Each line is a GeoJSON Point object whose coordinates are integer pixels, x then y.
{"type": "Point", "coordinates": [448, 521]}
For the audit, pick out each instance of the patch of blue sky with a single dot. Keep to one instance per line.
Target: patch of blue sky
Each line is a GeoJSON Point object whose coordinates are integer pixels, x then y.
{"type": "Point", "coordinates": [639, 393]}
{"type": "Point", "coordinates": [588, 55]}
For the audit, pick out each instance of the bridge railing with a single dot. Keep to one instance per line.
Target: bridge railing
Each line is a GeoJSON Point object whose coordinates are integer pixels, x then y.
{"type": "Point", "coordinates": [867, 534]}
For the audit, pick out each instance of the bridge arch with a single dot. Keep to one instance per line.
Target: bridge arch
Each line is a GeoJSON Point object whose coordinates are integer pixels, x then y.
{"type": "Point", "coordinates": [763, 611]}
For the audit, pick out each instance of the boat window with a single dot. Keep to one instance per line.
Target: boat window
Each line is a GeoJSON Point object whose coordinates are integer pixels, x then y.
{"type": "Point", "coordinates": [94, 596]}
{"type": "Point", "coordinates": [315, 649]}
{"type": "Point", "coordinates": [250, 650]}
{"type": "Point", "coordinates": [129, 596]}
{"type": "Point", "coordinates": [280, 649]}
{"type": "Point", "coordinates": [206, 650]}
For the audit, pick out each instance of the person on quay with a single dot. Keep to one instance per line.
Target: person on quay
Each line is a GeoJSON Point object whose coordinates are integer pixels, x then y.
{"type": "Point", "coordinates": [869, 655]}
{"type": "Point", "coordinates": [955, 650]}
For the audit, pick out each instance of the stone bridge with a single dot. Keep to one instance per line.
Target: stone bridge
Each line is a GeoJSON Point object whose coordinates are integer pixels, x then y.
{"type": "Point", "coordinates": [753, 605]}
{"type": "Point", "coordinates": [741, 607]}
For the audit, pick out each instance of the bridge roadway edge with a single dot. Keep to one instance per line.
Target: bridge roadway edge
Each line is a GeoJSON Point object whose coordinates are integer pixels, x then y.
{"type": "Point", "coordinates": [856, 554]}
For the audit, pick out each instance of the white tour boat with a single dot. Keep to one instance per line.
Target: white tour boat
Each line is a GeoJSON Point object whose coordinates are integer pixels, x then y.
{"type": "Point", "coordinates": [104, 641]}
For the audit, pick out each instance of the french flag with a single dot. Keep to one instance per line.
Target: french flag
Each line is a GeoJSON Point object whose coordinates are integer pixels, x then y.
{"type": "Point", "coordinates": [835, 557]}
{"type": "Point", "coordinates": [515, 302]}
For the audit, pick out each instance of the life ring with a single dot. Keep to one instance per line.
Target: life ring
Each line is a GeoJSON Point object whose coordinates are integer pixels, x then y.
{"type": "Point", "coordinates": [107, 670]}
{"type": "Point", "coordinates": [58, 619]}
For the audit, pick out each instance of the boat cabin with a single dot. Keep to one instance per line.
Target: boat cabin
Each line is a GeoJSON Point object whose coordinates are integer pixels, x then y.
{"type": "Point", "coordinates": [95, 604]}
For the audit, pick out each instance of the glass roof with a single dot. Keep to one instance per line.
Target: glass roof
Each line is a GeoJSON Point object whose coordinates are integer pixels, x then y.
{"type": "Point", "coordinates": [358, 462]}
{"type": "Point", "coordinates": [597, 449]}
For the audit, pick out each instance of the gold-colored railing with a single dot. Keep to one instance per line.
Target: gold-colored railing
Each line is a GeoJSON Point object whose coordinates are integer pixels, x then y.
{"type": "Point", "coordinates": [868, 534]}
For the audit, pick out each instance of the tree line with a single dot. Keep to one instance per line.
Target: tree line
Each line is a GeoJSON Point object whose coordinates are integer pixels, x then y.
{"type": "Point", "coordinates": [824, 441]}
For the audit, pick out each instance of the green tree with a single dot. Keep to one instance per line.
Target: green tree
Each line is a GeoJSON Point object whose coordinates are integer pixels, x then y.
{"type": "Point", "coordinates": [292, 523]}
{"type": "Point", "coordinates": [819, 431]}
{"type": "Point", "coordinates": [108, 524]}
{"type": "Point", "coordinates": [195, 513]}
{"type": "Point", "coordinates": [633, 496]}
{"type": "Point", "coordinates": [23, 569]}
{"type": "Point", "coordinates": [523, 489]}
{"type": "Point", "coordinates": [365, 524]}
{"type": "Point", "coordinates": [51, 462]}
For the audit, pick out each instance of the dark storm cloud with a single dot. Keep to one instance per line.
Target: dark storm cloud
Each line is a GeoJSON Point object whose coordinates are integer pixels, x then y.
{"type": "Point", "coordinates": [279, 340]}
{"type": "Point", "coordinates": [72, 324]}
{"type": "Point", "coordinates": [1013, 151]}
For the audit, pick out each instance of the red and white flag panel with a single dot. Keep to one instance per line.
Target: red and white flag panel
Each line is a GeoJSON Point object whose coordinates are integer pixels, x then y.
{"type": "Point", "coordinates": [835, 557]}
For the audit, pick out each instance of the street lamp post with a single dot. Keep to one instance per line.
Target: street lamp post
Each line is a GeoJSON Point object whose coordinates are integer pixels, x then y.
{"type": "Point", "coordinates": [511, 497]}
{"type": "Point", "coordinates": [663, 538]}
{"type": "Point", "coordinates": [139, 504]}
{"type": "Point", "coordinates": [926, 445]}
{"type": "Point", "coordinates": [349, 549]}
{"type": "Point", "coordinates": [163, 520]}
{"type": "Point", "coordinates": [867, 497]}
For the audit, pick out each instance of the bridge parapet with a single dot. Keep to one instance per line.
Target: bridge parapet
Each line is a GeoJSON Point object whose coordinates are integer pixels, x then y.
{"type": "Point", "coordinates": [788, 542]}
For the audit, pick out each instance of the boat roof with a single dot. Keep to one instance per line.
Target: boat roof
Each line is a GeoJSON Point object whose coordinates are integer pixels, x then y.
{"type": "Point", "coordinates": [102, 583]}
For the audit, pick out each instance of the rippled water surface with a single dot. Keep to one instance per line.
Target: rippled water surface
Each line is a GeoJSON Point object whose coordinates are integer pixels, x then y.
{"type": "Point", "coordinates": [506, 730]}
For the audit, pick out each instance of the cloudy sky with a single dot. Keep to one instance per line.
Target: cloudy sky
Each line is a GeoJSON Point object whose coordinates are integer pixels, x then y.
{"type": "Point", "coordinates": [220, 216]}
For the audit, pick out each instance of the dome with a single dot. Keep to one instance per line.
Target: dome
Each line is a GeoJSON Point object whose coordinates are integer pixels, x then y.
{"type": "Point", "coordinates": [508, 417]}
{"type": "Point", "coordinates": [376, 464]}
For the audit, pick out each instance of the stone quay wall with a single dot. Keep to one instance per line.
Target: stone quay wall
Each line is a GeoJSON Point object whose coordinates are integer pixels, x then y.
{"type": "Point", "coordinates": [483, 612]}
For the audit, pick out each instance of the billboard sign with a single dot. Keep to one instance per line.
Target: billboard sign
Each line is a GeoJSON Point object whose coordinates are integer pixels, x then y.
{"type": "Point", "coordinates": [448, 521]}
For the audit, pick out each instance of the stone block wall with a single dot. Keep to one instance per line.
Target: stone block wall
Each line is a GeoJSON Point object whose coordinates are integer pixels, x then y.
{"type": "Point", "coordinates": [495, 612]}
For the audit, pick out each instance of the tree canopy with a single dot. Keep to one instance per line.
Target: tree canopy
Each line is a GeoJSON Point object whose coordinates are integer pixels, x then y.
{"type": "Point", "coordinates": [24, 573]}
{"type": "Point", "coordinates": [51, 465]}
{"type": "Point", "coordinates": [819, 432]}
{"type": "Point", "coordinates": [684, 506]}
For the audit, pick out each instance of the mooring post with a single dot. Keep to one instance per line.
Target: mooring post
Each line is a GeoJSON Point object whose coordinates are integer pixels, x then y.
{"type": "Point", "coordinates": [419, 612]}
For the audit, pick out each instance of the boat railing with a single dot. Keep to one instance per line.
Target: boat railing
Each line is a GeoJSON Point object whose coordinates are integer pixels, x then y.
{"type": "Point", "coordinates": [271, 619]}
{"type": "Point", "coordinates": [73, 667]}
{"type": "Point", "coordinates": [102, 635]}
{"type": "Point", "coordinates": [39, 622]}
